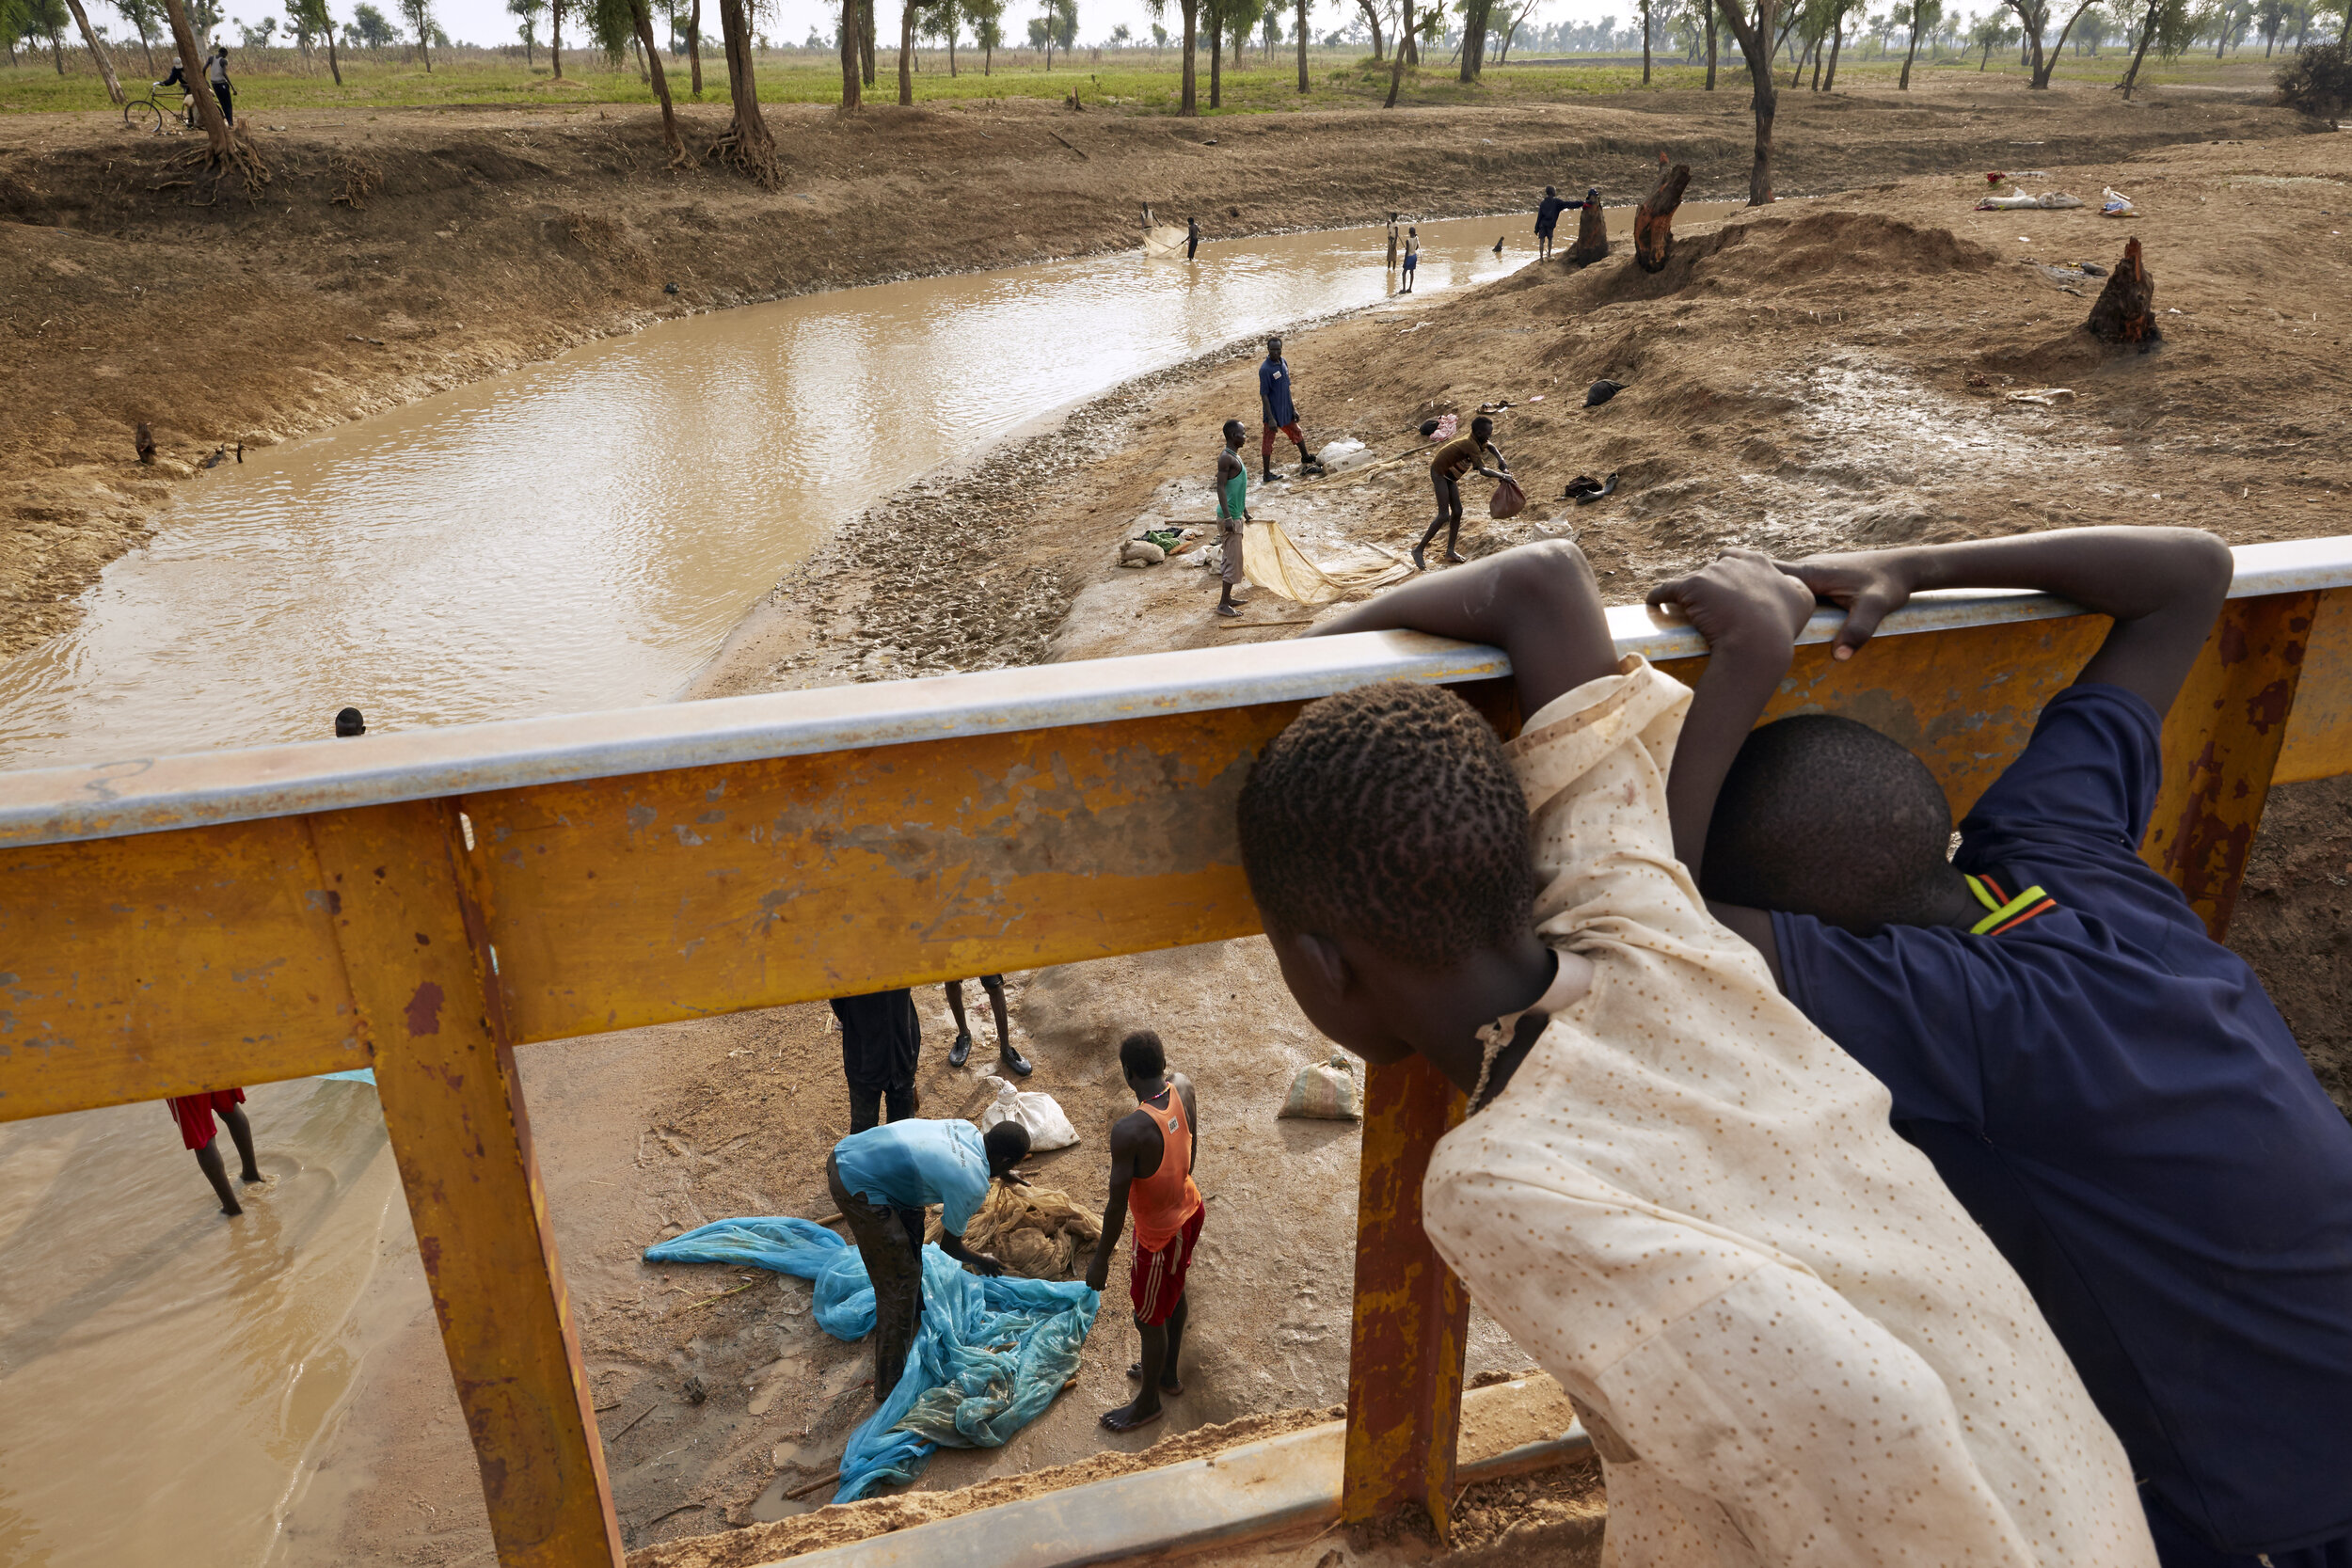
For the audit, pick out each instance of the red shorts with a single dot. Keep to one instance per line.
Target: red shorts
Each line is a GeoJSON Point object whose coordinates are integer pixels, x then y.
{"type": "Point", "coordinates": [194, 1112]}
{"type": "Point", "coordinates": [1290, 430]}
{"type": "Point", "coordinates": [1157, 1284]}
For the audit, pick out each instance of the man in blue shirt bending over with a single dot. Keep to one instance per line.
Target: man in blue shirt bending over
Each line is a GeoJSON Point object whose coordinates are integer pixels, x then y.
{"type": "Point", "coordinates": [2106, 1089]}
{"type": "Point", "coordinates": [883, 1179]}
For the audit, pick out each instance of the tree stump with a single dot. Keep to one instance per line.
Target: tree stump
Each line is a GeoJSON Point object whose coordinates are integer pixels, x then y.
{"type": "Point", "coordinates": [1653, 220]}
{"type": "Point", "coordinates": [1592, 232]}
{"type": "Point", "coordinates": [2125, 310]}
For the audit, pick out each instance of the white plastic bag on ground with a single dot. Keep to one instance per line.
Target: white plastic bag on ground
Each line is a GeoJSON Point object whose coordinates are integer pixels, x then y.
{"type": "Point", "coordinates": [1048, 1128]}
{"type": "Point", "coordinates": [1324, 1091]}
{"type": "Point", "coordinates": [2115, 204]}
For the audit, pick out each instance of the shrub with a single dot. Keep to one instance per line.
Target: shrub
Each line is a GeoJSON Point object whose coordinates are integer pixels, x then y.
{"type": "Point", "coordinates": [2318, 81]}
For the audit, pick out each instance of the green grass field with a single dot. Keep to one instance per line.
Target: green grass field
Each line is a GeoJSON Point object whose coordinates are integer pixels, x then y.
{"type": "Point", "coordinates": [1130, 79]}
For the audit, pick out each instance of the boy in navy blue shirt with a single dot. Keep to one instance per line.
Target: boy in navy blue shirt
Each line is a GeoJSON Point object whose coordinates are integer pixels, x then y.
{"type": "Point", "coordinates": [2106, 1089]}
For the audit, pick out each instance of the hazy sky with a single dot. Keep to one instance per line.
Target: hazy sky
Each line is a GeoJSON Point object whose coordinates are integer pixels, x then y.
{"type": "Point", "coordinates": [486, 21]}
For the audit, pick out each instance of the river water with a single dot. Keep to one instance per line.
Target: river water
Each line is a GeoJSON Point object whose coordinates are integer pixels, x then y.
{"type": "Point", "coordinates": [583, 533]}
{"type": "Point", "coordinates": [579, 534]}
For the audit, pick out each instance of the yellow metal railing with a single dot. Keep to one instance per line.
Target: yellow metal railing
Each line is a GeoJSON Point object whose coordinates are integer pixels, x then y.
{"type": "Point", "coordinates": [426, 903]}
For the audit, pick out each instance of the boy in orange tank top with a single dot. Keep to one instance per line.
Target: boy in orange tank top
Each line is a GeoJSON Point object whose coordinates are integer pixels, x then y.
{"type": "Point", "coordinates": [1152, 1163]}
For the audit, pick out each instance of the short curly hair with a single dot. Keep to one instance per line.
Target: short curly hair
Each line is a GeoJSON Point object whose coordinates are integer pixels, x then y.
{"type": "Point", "coordinates": [1391, 814]}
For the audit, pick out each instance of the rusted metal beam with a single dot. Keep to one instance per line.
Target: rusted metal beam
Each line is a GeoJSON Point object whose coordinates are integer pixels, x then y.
{"type": "Point", "coordinates": [1412, 1316]}
{"type": "Point", "coordinates": [422, 973]}
{"type": "Point", "coordinates": [2221, 742]}
{"type": "Point", "coordinates": [2319, 730]}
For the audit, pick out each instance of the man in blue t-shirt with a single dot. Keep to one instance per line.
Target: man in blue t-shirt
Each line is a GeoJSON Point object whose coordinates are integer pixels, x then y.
{"type": "Point", "coordinates": [1277, 412]}
{"type": "Point", "coordinates": [2106, 1089]}
{"type": "Point", "coordinates": [883, 1179]}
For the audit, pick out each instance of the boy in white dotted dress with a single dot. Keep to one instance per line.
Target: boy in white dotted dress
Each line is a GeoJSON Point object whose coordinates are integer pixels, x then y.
{"type": "Point", "coordinates": [1789, 1342]}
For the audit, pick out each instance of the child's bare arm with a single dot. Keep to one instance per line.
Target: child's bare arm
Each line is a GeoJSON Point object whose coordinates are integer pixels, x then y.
{"type": "Point", "coordinates": [1750, 614]}
{"type": "Point", "coordinates": [1538, 603]}
{"type": "Point", "coordinates": [2164, 586]}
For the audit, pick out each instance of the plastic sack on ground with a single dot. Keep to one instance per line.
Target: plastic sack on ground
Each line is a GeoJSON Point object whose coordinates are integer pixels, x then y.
{"type": "Point", "coordinates": [1041, 1114]}
{"type": "Point", "coordinates": [1324, 1091]}
{"type": "Point", "coordinates": [2115, 204]}
{"type": "Point", "coordinates": [990, 1356]}
{"type": "Point", "coordinates": [1508, 500]}
{"type": "Point", "coordinates": [2018, 202]}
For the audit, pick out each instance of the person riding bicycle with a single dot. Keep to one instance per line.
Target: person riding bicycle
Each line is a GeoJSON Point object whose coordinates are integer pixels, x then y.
{"type": "Point", "coordinates": [179, 78]}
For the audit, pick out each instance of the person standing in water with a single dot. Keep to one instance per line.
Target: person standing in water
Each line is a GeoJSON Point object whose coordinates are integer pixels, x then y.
{"type": "Point", "coordinates": [193, 1113]}
{"type": "Point", "coordinates": [1192, 238]}
{"type": "Point", "coordinates": [1276, 410]}
{"type": "Point", "coordinates": [1412, 257]}
{"type": "Point", "coordinates": [1152, 1165]}
{"type": "Point", "coordinates": [1232, 510]}
{"type": "Point", "coordinates": [1393, 250]}
{"type": "Point", "coordinates": [1548, 219]}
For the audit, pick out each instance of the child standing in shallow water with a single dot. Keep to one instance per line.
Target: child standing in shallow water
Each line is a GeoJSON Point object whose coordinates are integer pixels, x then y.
{"type": "Point", "coordinates": [1789, 1343]}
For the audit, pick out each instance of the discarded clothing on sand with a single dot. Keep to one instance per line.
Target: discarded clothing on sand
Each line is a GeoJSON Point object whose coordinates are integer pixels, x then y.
{"type": "Point", "coordinates": [1601, 391]}
{"type": "Point", "coordinates": [1584, 490]}
{"type": "Point", "coordinates": [1276, 563]}
{"type": "Point", "coordinates": [1036, 1233]}
{"type": "Point", "coordinates": [990, 1354]}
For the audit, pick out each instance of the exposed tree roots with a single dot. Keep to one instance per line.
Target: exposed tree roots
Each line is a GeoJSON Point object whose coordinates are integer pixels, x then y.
{"type": "Point", "coordinates": [241, 160]}
{"type": "Point", "coordinates": [755, 156]}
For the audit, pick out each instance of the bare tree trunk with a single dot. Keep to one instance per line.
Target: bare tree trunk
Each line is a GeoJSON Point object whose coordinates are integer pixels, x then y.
{"type": "Point", "coordinates": [114, 84]}
{"type": "Point", "coordinates": [1837, 43]}
{"type": "Point", "coordinates": [1653, 220]}
{"type": "Point", "coordinates": [694, 46]}
{"type": "Point", "coordinates": [852, 99]}
{"type": "Point", "coordinates": [1474, 36]}
{"type": "Point", "coordinates": [1904, 85]}
{"type": "Point", "coordinates": [1302, 45]}
{"type": "Point", "coordinates": [1645, 43]}
{"type": "Point", "coordinates": [1190, 107]}
{"type": "Point", "coordinates": [1216, 57]}
{"type": "Point", "coordinates": [333, 65]}
{"type": "Point", "coordinates": [1710, 45]}
{"type": "Point", "coordinates": [2125, 312]}
{"type": "Point", "coordinates": [222, 142]}
{"type": "Point", "coordinates": [1756, 43]}
{"type": "Point", "coordinates": [2147, 31]}
{"type": "Point", "coordinates": [56, 51]}
{"type": "Point", "coordinates": [906, 54]}
{"type": "Point", "coordinates": [555, 38]}
{"type": "Point", "coordinates": [1403, 42]}
{"type": "Point", "coordinates": [866, 39]}
{"type": "Point", "coordinates": [643, 14]}
{"type": "Point", "coordinates": [1372, 15]}
{"type": "Point", "coordinates": [748, 140]}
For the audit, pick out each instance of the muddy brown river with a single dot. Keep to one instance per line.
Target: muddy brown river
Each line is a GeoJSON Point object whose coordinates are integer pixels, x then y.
{"type": "Point", "coordinates": [580, 534]}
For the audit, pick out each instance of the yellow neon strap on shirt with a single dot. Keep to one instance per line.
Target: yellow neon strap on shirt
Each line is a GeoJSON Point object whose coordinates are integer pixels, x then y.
{"type": "Point", "coordinates": [2006, 911]}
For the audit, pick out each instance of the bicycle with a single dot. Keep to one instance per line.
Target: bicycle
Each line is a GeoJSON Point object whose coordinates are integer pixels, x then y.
{"type": "Point", "coordinates": [148, 114]}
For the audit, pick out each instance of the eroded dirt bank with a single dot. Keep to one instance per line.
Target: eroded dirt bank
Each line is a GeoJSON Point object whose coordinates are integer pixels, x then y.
{"type": "Point", "coordinates": [394, 254]}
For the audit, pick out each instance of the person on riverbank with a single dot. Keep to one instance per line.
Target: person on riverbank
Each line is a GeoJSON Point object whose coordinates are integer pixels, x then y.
{"type": "Point", "coordinates": [1393, 250]}
{"type": "Point", "coordinates": [1153, 1159]}
{"type": "Point", "coordinates": [193, 1113]}
{"type": "Point", "coordinates": [1457, 457]}
{"type": "Point", "coordinates": [216, 73]}
{"type": "Point", "coordinates": [1412, 257]}
{"type": "Point", "coordinates": [1232, 513]}
{"type": "Point", "coordinates": [1007, 1053]}
{"type": "Point", "coordinates": [882, 1040]}
{"type": "Point", "coordinates": [1277, 412]}
{"type": "Point", "coordinates": [882, 1180]}
{"type": "Point", "coordinates": [1548, 219]}
{"type": "Point", "coordinates": [179, 78]}
{"type": "Point", "coordinates": [1192, 238]}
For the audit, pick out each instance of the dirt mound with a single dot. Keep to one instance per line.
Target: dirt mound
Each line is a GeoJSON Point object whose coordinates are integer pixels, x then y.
{"type": "Point", "coordinates": [1819, 253]}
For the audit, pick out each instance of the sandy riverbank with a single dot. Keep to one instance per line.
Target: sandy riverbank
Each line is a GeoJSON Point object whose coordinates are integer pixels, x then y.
{"type": "Point", "coordinates": [399, 253]}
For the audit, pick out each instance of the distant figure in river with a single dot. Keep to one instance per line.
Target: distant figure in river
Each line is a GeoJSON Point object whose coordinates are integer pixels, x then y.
{"type": "Point", "coordinates": [1192, 238]}
{"type": "Point", "coordinates": [1548, 220]}
{"type": "Point", "coordinates": [194, 1114]}
{"type": "Point", "coordinates": [1232, 510]}
{"type": "Point", "coordinates": [1007, 1053]}
{"type": "Point", "coordinates": [1277, 412]}
{"type": "Point", "coordinates": [348, 723]}
{"type": "Point", "coordinates": [1392, 249]}
{"type": "Point", "coordinates": [1412, 257]}
{"type": "Point", "coordinates": [1152, 1166]}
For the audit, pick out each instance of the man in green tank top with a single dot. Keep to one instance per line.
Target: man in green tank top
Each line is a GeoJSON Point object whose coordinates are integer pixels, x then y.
{"type": "Point", "coordinates": [1233, 510]}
